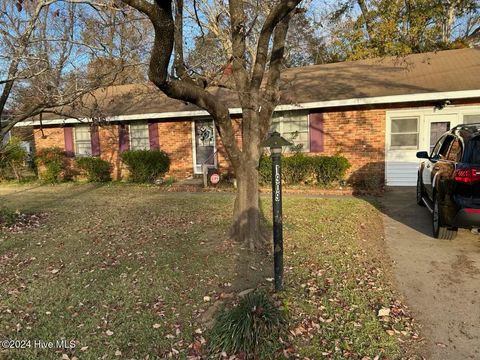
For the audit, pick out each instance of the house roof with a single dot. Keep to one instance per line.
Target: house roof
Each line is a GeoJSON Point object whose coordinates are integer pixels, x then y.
{"type": "Point", "coordinates": [443, 71]}
{"type": "Point", "coordinates": [417, 77]}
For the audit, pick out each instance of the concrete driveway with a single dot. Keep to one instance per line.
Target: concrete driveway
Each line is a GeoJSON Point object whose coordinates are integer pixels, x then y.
{"type": "Point", "coordinates": [439, 278]}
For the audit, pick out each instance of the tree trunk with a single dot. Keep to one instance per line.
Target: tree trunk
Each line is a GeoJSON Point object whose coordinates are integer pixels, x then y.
{"type": "Point", "coordinates": [247, 224]}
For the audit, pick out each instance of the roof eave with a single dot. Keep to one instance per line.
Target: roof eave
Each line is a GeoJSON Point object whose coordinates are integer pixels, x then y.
{"type": "Point", "coordinates": [378, 100]}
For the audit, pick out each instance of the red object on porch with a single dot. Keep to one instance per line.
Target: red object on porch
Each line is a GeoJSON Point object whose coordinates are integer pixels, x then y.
{"type": "Point", "coordinates": [123, 138]}
{"type": "Point", "coordinates": [95, 140]}
{"type": "Point", "coordinates": [316, 132]}
{"type": "Point", "coordinates": [153, 136]}
{"type": "Point", "coordinates": [68, 137]}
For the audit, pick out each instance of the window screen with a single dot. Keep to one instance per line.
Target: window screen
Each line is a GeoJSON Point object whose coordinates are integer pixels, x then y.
{"type": "Point", "coordinates": [83, 143]}
{"type": "Point", "coordinates": [139, 139]}
{"type": "Point", "coordinates": [404, 133]}
{"type": "Point", "coordinates": [293, 126]}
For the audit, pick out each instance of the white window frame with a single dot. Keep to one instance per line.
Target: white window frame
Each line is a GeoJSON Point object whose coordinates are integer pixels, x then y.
{"type": "Point", "coordinates": [279, 119]}
{"type": "Point", "coordinates": [147, 138]}
{"type": "Point", "coordinates": [76, 141]}
{"type": "Point", "coordinates": [406, 147]}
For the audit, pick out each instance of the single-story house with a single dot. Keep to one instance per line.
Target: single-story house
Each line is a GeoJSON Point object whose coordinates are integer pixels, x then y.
{"type": "Point", "coordinates": [378, 113]}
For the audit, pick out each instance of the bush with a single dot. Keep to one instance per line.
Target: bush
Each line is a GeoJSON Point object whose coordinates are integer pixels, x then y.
{"type": "Point", "coordinates": [12, 158]}
{"type": "Point", "coordinates": [146, 165]}
{"type": "Point", "coordinates": [296, 169]}
{"type": "Point", "coordinates": [328, 169]}
{"type": "Point", "coordinates": [54, 161]}
{"type": "Point", "coordinates": [98, 170]}
{"type": "Point", "coordinates": [253, 327]}
{"type": "Point", "coordinates": [299, 168]}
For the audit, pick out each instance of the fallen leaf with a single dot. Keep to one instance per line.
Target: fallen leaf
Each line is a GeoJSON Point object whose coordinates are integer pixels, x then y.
{"type": "Point", "coordinates": [156, 326]}
{"type": "Point", "coordinates": [384, 312]}
{"type": "Point", "coordinates": [109, 332]}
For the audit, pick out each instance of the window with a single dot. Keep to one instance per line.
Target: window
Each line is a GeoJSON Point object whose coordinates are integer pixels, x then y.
{"type": "Point", "coordinates": [83, 143]}
{"type": "Point", "coordinates": [471, 119]}
{"type": "Point", "coordinates": [437, 129]}
{"type": "Point", "coordinates": [445, 146]}
{"type": "Point", "coordinates": [404, 133]}
{"type": "Point", "coordinates": [436, 149]}
{"type": "Point", "coordinates": [293, 126]}
{"type": "Point", "coordinates": [139, 139]}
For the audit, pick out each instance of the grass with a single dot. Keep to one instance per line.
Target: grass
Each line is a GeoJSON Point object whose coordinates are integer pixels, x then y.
{"type": "Point", "coordinates": [124, 271]}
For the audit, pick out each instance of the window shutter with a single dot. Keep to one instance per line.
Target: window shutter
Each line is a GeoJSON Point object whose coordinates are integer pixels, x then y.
{"type": "Point", "coordinates": [153, 136]}
{"type": "Point", "coordinates": [123, 138]}
{"type": "Point", "coordinates": [316, 132]}
{"type": "Point", "coordinates": [95, 139]}
{"type": "Point", "coordinates": [68, 138]}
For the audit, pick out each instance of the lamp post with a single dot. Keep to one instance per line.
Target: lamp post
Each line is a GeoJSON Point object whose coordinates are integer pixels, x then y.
{"type": "Point", "coordinates": [275, 142]}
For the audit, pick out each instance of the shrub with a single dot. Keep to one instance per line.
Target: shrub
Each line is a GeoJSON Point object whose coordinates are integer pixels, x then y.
{"type": "Point", "coordinates": [146, 165]}
{"type": "Point", "coordinates": [12, 158]}
{"type": "Point", "coordinates": [296, 169]}
{"type": "Point", "coordinates": [328, 169]}
{"type": "Point", "coordinates": [54, 161]}
{"type": "Point", "coordinates": [253, 327]}
{"type": "Point", "coordinates": [98, 170]}
{"type": "Point", "coordinates": [265, 170]}
{"type": "Point", "coordinates": [300, 168]}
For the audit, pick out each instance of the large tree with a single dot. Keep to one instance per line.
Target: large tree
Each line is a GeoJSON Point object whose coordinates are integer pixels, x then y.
{"type": "Point", "coordinates": [256, 77]}
{"type": "Point", "coordinates": [372, 28]}
{"type": "Point", "coordinates": [46, 57]}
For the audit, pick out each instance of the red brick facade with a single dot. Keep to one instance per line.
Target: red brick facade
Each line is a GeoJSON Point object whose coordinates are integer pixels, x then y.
{"type": "Point", "coordinates": [359, 135]}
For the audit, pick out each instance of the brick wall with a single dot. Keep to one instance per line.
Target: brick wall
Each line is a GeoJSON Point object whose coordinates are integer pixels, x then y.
{"type": "Point", "coordinates": [51, 137]}
{"type": "Point", "coordinates": [176, 141]}
{"type": "Point", "coordinates": [358, 135]}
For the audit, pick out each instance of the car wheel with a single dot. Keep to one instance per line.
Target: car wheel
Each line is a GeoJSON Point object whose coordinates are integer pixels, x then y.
{"type": "Point", "coordinates": [439, 230]}
{"type": "Point", "coordinates": [420, 192]}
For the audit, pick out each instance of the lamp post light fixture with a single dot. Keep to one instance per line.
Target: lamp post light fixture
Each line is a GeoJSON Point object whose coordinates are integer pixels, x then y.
{"type": "Point", "coordinates": [275, 142]}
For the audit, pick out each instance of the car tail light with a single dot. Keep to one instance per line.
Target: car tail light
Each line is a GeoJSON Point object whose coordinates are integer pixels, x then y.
{"type": "Point", "coordinates": [467, 176]}
{"type": "Point", "coordinates": [474, 211]}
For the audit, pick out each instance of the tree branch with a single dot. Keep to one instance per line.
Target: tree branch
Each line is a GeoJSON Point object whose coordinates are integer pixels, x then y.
{"type": "Point", "coordinates": [278, 13]}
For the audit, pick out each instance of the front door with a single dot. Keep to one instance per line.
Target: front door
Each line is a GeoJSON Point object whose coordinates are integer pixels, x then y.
{"type": "Point", "coordinates": [204, 144]}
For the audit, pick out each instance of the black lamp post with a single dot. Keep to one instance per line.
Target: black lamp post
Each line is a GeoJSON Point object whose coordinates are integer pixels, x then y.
{"type": "Point", "coordinates": [275, 142]}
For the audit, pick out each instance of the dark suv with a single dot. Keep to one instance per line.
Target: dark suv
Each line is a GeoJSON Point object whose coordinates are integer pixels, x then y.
{"type": "Point", "coordinates": [449, 181]}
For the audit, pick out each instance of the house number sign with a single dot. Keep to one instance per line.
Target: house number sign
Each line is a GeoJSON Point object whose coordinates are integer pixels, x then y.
{"type": "Point", "coordinates": [278, 181]}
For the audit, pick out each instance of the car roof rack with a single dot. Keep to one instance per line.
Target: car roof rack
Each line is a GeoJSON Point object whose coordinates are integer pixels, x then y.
{"type": "Point", "coordinates": [467, 126]}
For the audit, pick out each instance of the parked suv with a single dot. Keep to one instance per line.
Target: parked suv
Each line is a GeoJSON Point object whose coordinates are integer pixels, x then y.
{"type": "Point", "coordinates": [449, 181]}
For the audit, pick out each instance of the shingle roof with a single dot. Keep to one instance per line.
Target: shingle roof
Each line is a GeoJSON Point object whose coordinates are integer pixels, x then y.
{"type": "Point", "coordinates": [451, 70]}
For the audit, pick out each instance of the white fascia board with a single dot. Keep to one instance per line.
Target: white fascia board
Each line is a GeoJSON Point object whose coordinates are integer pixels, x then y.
{"type": "Point", "coordinates": [391, 99]}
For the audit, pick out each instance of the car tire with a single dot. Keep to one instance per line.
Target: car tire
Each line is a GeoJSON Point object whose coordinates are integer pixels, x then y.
{"type": "Point", "coordinates": [420, 192]}
{"type": "Point", "coordinates": [440, 231]}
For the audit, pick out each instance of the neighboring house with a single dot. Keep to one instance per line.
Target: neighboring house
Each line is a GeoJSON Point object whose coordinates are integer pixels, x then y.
{"type": "Point", "coordinates": [377, 113]}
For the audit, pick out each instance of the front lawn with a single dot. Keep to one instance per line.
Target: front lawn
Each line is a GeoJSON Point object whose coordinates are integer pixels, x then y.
{"type": "Point", "coordinates": [129, 271]}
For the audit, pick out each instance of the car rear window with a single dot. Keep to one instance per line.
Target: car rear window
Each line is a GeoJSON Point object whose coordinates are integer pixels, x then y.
{"type": "Point", "coordinates": [472, 155]}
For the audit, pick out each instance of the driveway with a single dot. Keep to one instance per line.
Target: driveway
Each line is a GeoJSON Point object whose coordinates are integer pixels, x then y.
{"type": "Point", "coordinates": [440, 279]}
